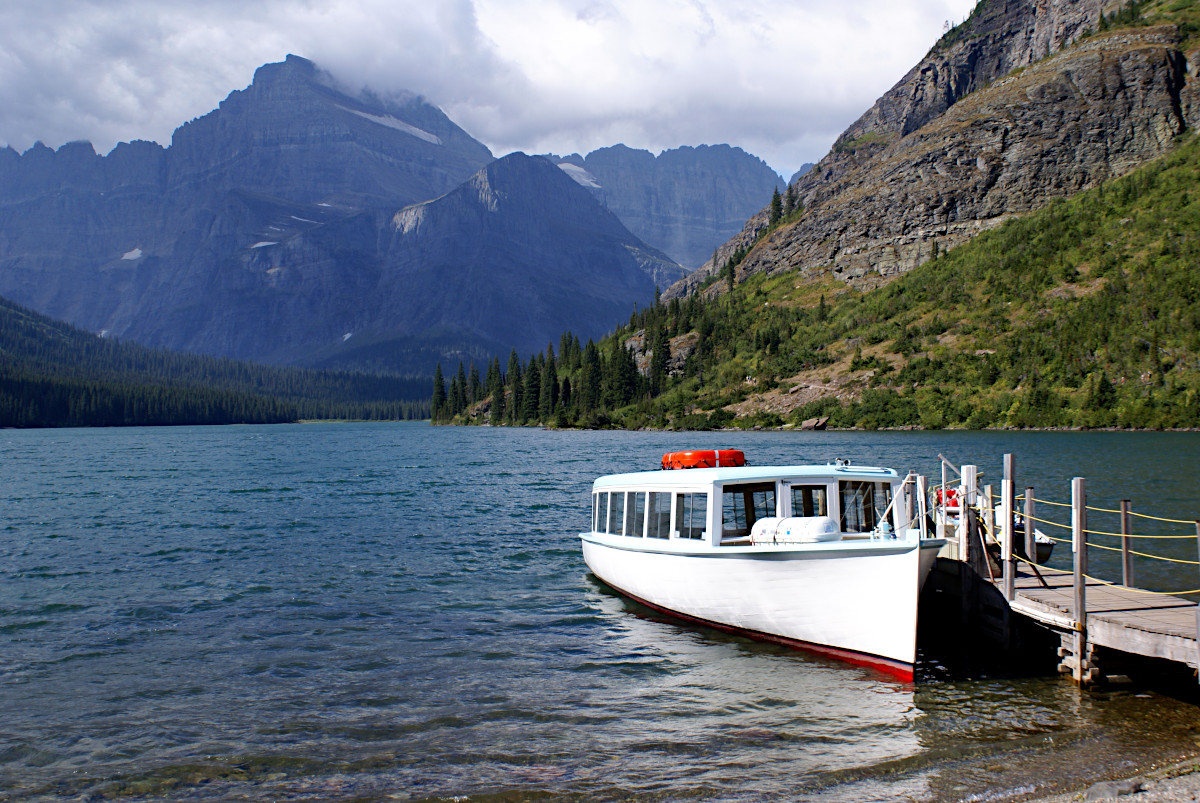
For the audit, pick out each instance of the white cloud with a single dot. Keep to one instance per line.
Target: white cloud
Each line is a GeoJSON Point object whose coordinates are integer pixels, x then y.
{"type": "Point", "coordinates": [778, 79]}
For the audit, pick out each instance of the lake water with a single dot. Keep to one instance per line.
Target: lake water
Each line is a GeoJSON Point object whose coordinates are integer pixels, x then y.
{"type": "Point", "coordinates": [396, 611]}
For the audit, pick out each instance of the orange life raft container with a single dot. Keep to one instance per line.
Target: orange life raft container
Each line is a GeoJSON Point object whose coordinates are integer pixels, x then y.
{"type": "Point", "coordinates": [704, 458]}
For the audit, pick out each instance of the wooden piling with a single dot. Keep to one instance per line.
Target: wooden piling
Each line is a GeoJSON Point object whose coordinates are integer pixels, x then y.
{"type": "Point", "coordinates": [1080, 670]}
{"type": "Point", "coordinates": [1126, 555]}
{"type": "Point", "coordinates": [1030, 541]}
{"type": "Point", "coordinates": [967, 494]}
{"type": "Point", "coordinates": [1006, 529]}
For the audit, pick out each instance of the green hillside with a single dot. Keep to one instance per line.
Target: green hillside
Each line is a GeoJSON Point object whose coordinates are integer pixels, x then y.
{"type": "Point", "coordinates": [52, 374]}
{"type": "Point", "coordinates": [1085, 314]}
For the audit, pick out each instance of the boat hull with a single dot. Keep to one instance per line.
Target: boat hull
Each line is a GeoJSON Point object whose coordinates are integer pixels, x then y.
{"type": "Point", "coordinates": [857, 602]}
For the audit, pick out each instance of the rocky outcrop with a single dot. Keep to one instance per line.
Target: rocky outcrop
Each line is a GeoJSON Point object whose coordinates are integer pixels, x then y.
{"type": "Point", "coordinates": [686, 201]}
{"type": "Point", "coordinates": [986, 127]}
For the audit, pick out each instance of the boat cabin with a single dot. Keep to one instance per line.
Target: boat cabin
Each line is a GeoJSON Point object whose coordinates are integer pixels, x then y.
{"type": "Point", "coordinates": [722, 506]}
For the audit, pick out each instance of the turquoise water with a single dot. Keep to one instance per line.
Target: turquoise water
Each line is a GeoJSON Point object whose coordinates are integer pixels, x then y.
{"type": "Point", "coordinates": [395, 611]}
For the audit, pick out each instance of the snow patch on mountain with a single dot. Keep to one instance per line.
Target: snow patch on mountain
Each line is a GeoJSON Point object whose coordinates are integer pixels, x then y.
{"type": "Point", "coordinates": [399, 125]}
{"type": "Point", "coordinates": [580, 175]}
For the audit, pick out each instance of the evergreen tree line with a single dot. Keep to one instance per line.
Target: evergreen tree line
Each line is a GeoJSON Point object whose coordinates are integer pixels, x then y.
{"type": "Point", "coordinates": [52, 374]}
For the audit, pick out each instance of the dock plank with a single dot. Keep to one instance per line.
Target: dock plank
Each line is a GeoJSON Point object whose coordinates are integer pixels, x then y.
{"type": "Point", "coordinates": [1158, 626]}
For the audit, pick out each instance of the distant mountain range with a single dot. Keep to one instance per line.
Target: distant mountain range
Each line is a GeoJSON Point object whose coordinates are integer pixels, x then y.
{"type": "Point", "coordinates": [300, 224]}
{"type": "Point", "coordinates": [686, 201]}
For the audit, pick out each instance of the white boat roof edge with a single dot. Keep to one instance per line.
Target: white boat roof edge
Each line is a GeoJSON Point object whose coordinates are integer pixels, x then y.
{"type": "Point", "coordinates": [707, 476]}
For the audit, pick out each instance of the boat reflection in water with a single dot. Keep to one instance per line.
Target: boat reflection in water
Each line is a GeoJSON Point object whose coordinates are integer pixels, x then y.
{"type": "Point", "coordinates": [733, 714]}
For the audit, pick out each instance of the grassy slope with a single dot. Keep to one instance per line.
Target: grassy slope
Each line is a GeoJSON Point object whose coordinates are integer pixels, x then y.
{"type": "Point", "coordinates": [1084, 314]}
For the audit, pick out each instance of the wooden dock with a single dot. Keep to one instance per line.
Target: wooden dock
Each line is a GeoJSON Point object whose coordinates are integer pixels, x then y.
{"type": "Point", "coordinates": [1116, 618]}
{"type": "Point", "coordinates": [1085, 612]}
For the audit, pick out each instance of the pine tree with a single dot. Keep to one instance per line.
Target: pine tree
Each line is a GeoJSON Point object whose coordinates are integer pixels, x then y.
{"type": "Point", "coordinates": [532, 392]}
{"type": "Point", "coordinates": [474, 386]}
{"type": "Point", "coordinates": [514, 386]}
{"type": "Point", "coordinates": [548, 391]}
{"type": "Point", "coordinates": [776, 207]}
{"type": "Point", "coordinates": [660, 352]}
{"type": "Point", "coordinates": [438, 402]}
{"type": "Point", "coordinates": [496, 389]}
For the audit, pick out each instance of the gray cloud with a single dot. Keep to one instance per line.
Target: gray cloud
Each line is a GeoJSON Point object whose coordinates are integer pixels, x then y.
{"type": "Point", "coordinates": [778, 79]}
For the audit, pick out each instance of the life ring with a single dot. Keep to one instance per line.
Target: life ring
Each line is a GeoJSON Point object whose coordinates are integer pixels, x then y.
{"type": "Point", "coordinates": [947, 498]}
{"type": "Point", "coordinates": [704, 458]}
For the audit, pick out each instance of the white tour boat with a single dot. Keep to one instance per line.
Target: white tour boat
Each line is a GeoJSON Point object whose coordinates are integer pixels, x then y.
{"type": "Point", "coordinates": [829, 558]}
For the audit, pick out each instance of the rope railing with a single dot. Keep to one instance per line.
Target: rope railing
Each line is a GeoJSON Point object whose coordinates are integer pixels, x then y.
{"type": "Point", "coordinates": [980, 507]}
{"type": "Point", "coordinates": [1109, 583]}
{"type": "Point", "coordinates": [1145, 555]}
{"type": "Point", "coordinates": [1104, 532]}
{"type": "Point", "coordinates": [1119, 512]}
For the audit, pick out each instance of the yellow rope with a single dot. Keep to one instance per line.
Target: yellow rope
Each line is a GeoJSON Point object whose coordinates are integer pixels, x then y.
{"type": "Point", "coordinates": [1050, 523]}
{"type": "Point", "coordinates": [1131, 535]}
{"type": "Point", "coordinates": [1145, 555]}
{"type": "Point", "coordinates": [1108, 583]}
{"type": "Point", "coordinates": [1148, 516]}
{"type": "Point", "coordinates": [1131, 513]}
{"type": "Point", "coordinates": [1047, 502]}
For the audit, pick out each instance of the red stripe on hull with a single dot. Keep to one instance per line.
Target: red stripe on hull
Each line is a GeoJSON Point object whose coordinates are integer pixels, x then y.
{"type": "Point", "coordinates": [897, 670]}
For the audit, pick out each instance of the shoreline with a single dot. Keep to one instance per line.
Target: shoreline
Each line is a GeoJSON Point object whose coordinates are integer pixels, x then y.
{"type": "Point", "coordinates": [1178, 781]}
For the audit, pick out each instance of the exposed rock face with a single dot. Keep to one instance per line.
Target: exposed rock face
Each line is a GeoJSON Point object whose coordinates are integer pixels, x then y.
{"type": "Point", "coordinates": [270, 230]}
{"type": "Point", "coordinates": [685, 201]}
{"type": "Point", "coordinates": [967, 139]}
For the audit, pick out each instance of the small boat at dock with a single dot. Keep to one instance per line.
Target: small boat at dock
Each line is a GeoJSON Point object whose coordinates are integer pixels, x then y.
{"type": "Point", "coordinates": [829, 558]}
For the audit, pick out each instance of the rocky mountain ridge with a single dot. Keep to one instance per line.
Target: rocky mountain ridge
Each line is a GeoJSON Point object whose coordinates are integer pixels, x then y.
{"type": "Point", "coordinates": [687, 201]}
{"type": "Point", "coordinates": [987, 126]}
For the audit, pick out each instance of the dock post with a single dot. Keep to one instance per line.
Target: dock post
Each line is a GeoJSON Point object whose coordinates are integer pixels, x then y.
{"type": "Point", "coordinates": [941, 520]}
{"type": "Point", "coordinates": [922, 505]}
{"type": "Point", "coordinates": [1006, 530]}
{"type": "Point", "coordinates": [1126, 557]}
{"type": "Point", "coordinates": [1080, 669]}
{"type": "Point", "coordinates": [1198, 607]}
{"type": "Point", "coordinates": [1030, 541]}
{"type": "Point", "coordinates": [966, 497]}
{"type": "Point", "coordinates": [989, 513]}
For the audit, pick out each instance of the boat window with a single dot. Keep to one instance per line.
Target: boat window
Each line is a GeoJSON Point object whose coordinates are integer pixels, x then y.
{"type": "Point", "coordinates": [596, 512]}
{"type": "Point", "coordinates": [616, 513]}
{"type": "Point", "coordinates": [638, 521]}
{"type": "Point", "coordinates": [863, 504]}
{"type": "Point", "coordinates": [742, 505]}
{"type": "Point", "coordinates": [691, 515]}
{"type": "Point", "coordinates": [658, 515]}
{"type": "Point", "coordinates": [809, 501]}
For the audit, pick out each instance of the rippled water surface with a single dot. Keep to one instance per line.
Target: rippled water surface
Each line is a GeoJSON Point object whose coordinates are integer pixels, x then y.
{"type": "Point", "coordinates": [381, 611]}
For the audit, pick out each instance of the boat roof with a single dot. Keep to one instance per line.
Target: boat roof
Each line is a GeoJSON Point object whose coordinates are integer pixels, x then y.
{"type": "Point", "coordinates": [689, 477]}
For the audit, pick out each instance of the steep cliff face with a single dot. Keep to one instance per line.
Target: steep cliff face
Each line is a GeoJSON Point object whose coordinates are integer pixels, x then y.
{"type": "Point", "coordinates": [293, 134]}
{"type": "Point", "coordinates": [987, 126]}
{"type": "Point", "coordinates": [685, 201]}
{"type": "Point", "coordinates": [512, 258]}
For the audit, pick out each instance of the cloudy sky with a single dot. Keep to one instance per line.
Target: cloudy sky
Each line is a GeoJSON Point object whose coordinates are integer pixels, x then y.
{"type": "Point", "coordinates": [780, 79]}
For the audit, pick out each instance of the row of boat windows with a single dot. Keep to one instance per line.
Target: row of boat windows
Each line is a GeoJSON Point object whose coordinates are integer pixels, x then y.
{"type": "Point", "coordinates": [648, 513]}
